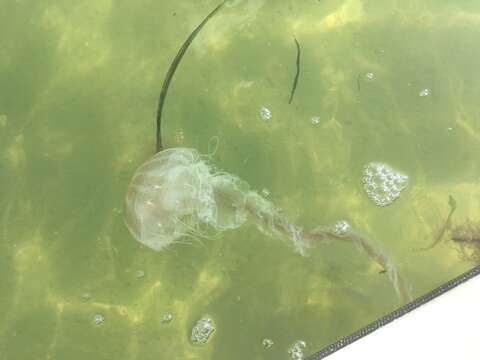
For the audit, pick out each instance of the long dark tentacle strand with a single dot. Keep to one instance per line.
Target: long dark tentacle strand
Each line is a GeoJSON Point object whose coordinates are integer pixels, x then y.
{"type": "Point", "coordinates": [171, 72]}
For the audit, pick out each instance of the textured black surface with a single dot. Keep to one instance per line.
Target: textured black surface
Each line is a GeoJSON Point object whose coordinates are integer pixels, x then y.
{"type": "Point", "coordinates": [395, 314]}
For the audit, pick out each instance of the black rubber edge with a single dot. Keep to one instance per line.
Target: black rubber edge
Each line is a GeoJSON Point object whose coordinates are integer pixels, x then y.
{"type": "Point", "coordinates": [347, 340]}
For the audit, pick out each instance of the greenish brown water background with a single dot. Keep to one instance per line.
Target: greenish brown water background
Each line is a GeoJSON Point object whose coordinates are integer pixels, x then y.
{"type": "Point", "coordinates": [79, 87]}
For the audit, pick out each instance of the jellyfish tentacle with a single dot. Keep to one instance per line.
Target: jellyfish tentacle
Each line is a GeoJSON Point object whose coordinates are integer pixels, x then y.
{"type": "Point", "coordinates": [373, 252]}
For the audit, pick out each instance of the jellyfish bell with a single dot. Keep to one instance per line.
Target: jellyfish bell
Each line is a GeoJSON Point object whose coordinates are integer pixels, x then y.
{"type": "Point", "coordinates": [163, 197]}
{"type": "Point", "coordinates": [177, 191]}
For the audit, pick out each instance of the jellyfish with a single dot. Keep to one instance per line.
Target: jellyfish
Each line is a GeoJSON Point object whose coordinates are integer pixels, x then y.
{"type": "Point", "coordinates": [179, 193]}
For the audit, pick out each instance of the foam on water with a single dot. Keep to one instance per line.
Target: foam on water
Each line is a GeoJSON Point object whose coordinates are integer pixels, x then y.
{"type": "Point", "coordinates": [382, 183]}
{"type": "Point", "coordinates": [202, 330]}
{"type": "Point", "coordinates": [296, 350]}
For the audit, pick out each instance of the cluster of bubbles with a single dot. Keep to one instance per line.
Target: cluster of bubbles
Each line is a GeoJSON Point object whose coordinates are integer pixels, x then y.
{"type": "Point", "coordinates": [383, 184]}
{"type": "Point", "coordinates": [167, 318]}
{"type": "Point", "coordinates": [265, 113]}
{"type": "Point", "coordinates": [370, 76]}
{"type": "Point", "coordinates": [424, 92]}
{"type": "Point", "coordinates": [202, 331]}
{"type": "Point", "coordinates": [341, 227]}
{"type": "Point", "coordinates": [296, 350]}
{"type": "Point", "coordinates": [268, 343]}
{"type": "Point", "coordinates": [98, 319]}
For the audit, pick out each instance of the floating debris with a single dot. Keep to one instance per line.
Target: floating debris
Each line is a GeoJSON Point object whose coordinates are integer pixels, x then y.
{"type": "Point", "coordinates": [171, 71]}
{"type": "Point", "coordinates": [265, 192]}
{"type": "Point", "coordinates": [467, 237]}
{"type": "Point", "coordinates": [370, 76]}
{"type": "Point", "coordinates": [268, 343]}
{"type": "Point", "coordinates": [424, 92]}
{"type": "Point", "coordinates": [265, 113]}
{"type": "Point", "coordinates": [452, 203]}
{"type": "Point", "coordinates": [315, 120]}
{"type": "Point", "coordinates": [383, 184]}
{"type": "Point", "coordinates": [296, 350]}
{"type": "Point", "coordinates": [98, 319]}
{"type": "Point", "coordinates": [297, 73]}
{"type": "Point", "coordinates": [202, 330]}
{"type": "Point", "coordinates": [167, 318]}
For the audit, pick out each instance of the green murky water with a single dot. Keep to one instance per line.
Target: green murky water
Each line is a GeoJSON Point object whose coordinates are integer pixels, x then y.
{"type": "Point", "coordinates": [79, 87]}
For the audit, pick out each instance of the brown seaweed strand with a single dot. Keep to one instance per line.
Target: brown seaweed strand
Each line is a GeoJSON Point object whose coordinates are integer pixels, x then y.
{"type": "Point", "coordinates": [453, 205]}
{"type": "Point", "coordinates": [171, 72]}
{"type": "Point", "coordinates": [297, 74]}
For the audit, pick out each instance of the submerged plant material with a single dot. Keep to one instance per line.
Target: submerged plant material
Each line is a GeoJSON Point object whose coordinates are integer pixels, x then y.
{"type": "Point", "coordinates": [178, 193]}
{"type": "Point", "coordinates": [467, 237]}
{"type": "Point", "coordinates": [297, 73]}
{"type": "Point", "coordinates": [171, 71]}
{"type": "Point", "coordinates": [446, 225]}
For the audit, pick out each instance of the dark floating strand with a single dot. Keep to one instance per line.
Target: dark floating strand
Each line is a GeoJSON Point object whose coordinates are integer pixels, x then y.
{"type": "Point", "coordinates": [171, 72]}
{"type": "Point", "coordinates": [295, 81]}
{"type": "Point", "coordinates": [446, 225]}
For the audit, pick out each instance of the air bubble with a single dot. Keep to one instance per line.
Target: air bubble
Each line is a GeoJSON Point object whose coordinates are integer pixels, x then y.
{"type": "Point", "coordinates": [424, 92]}
{"type": "Point", "coordinates": [202, 330]}
{"type": "Point", "coordinates": [98, 319]}
{"type": "Point", "coordinates": [315, 120]}
{"type": "Point", "coordinates": [341, 228]}
{"type": "Point", "coordinates": [383, 184]}
{"type": "Point", "coordinates": [268, 343]}
{"type": "Point", "coordinates": [265, 113]}
{"type": "Point", "coordinates": [370, 76]}
{"type": "Point", "coordinates": [296, 350]}
{"type": "Point", "coordinates": [167, 318]}
{"type": "Point", "coordinates": [140, 274]}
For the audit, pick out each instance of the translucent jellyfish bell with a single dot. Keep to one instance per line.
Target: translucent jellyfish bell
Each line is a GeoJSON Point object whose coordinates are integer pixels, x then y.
{"type": "Point", "coordinates": [175, 192]}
